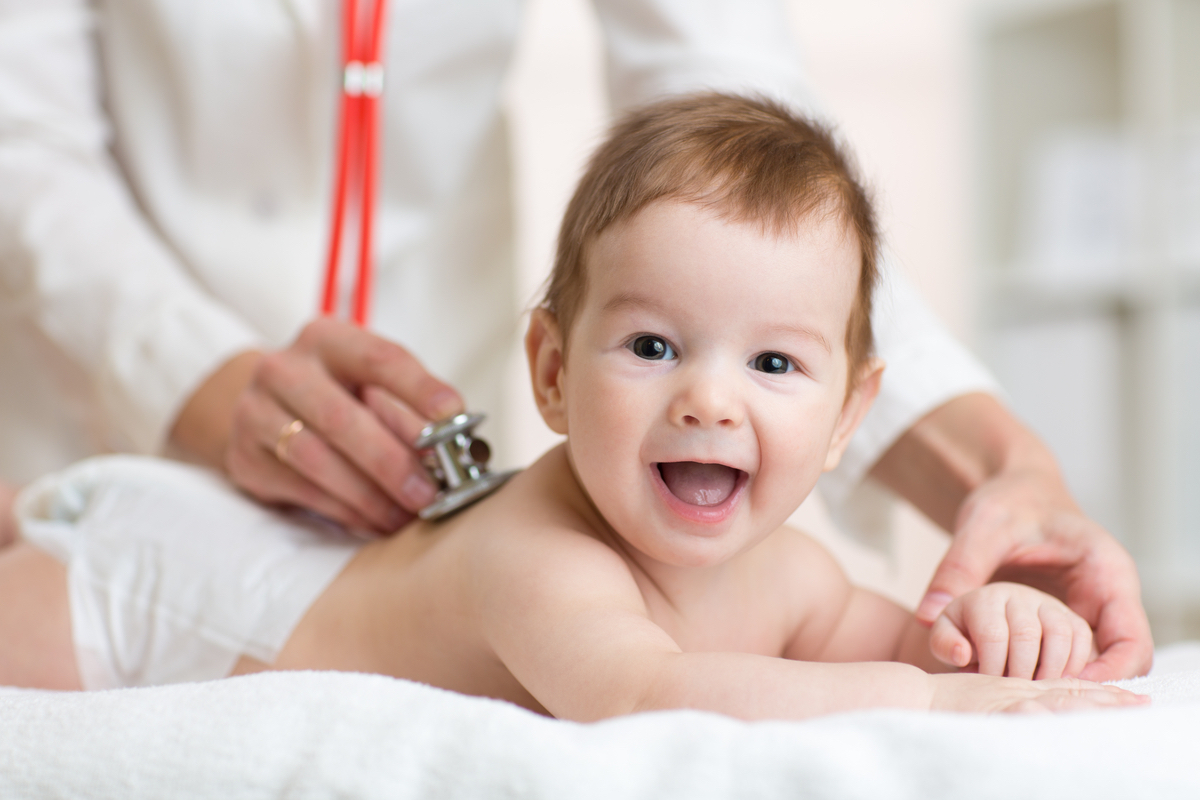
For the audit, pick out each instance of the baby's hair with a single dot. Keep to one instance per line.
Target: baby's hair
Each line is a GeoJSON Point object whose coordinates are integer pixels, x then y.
{"type": "Point", "coordinates": [748, 158]}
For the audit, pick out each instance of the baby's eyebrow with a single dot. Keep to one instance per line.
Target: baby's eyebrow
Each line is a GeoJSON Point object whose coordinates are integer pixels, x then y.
{"type": "Point", "coordinates": [631, 300]}
{"type": "Point", "coordinates": [804, 332]}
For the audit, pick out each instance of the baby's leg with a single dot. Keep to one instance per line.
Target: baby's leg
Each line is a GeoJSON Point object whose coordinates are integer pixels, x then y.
{"type": "Point", "coordinates": [8, 522]}
{"type": "Point", "coordinates": [35, 621]}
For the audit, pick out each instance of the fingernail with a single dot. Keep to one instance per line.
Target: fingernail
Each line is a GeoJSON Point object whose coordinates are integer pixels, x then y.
{"type": "Point", "coordinates": [444, 404]}
{"type": "Point", "coordinates": [419, 491]}
{"type": "Point", "coordinates": [932, 605]}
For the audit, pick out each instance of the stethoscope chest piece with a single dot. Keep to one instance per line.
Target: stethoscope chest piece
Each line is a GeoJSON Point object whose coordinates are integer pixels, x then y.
{"type": "Point", "coordinates": [457, 462]}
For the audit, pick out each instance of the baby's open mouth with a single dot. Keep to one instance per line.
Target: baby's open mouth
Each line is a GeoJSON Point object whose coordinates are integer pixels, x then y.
{"type": "Point", "coordinates": [699, 484]}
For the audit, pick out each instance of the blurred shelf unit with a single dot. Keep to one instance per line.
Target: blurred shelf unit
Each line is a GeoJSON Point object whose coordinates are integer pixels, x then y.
{"type": "Point", "coordinates": [1088, 147]}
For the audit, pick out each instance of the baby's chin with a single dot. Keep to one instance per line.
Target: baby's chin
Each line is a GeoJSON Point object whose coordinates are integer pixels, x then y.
{"type": "Point", "coordinates": [664, 539]}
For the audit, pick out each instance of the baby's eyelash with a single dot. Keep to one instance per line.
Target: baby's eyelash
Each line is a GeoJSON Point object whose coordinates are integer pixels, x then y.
{"type": "Point", "coordinates": [651, 348]}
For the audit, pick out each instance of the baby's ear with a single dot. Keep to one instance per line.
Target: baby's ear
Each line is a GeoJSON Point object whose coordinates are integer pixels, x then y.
{"type": "Point", "coordinates": [858, 403]}
{"type": "Point", "coordinates": [544, 349]}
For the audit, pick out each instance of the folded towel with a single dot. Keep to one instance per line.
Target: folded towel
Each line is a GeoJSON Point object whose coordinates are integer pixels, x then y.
{"type": "Point", "coordinates": [327, 735]}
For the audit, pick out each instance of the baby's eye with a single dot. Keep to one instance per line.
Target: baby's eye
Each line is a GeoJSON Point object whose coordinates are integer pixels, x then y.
{"type": "Point", "coordinates": [651, 348]}
{"type": "Point", "coordinates": [773, 363]}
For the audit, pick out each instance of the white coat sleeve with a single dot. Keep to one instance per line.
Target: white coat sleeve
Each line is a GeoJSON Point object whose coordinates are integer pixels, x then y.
{"type": "Point", "coordinates": [76, 254]}
{"type": "Point", "coordinates": [660, 47]}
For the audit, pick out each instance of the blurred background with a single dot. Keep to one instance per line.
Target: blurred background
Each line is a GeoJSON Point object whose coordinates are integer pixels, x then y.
{"type": "Point", "coordinates": [1037, 169]}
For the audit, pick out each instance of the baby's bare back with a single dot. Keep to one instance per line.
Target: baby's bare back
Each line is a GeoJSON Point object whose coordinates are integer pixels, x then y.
{"type": "Point", "coordinates": [405, 606]}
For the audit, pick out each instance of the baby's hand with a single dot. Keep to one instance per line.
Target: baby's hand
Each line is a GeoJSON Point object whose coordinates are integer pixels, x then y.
{"type": "Point", "coordinates": [1014, 630]}
{"type": "Point", "coordinates": [987, 694]}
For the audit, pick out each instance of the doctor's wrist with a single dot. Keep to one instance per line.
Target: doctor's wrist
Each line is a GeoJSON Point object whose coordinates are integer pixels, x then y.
{"type": "Point", "coordinates": [960, 446]}
{"type": "Point", "coordinates": [202, 428]}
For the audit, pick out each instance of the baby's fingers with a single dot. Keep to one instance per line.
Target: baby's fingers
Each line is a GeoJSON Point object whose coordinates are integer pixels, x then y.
{"type": "Point", "coordinates": [1057, 642]}
{"type": "Point", "coordinates": [948, 643]}
{"type": "Point", "coordinates": [1083, 650]}
{"type": "Point", "coordinates": [1024, 640]}
{"type": "Point", "coordinates": [984, 620]}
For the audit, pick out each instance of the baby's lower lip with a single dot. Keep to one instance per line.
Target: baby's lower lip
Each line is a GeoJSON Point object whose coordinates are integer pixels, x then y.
{"type": "Point", "coordinates": [703, 514]}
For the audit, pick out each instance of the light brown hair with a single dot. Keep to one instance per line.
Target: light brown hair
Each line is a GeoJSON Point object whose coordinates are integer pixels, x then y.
{"type": "Point", "coordinates": [749, 158]}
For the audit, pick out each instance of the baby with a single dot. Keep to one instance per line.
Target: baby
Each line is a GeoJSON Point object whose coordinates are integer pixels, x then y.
{"type": "Point", "coordinates": [705, 346]}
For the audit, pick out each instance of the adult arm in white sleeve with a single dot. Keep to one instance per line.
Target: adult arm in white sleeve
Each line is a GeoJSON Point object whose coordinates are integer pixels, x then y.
{"type": "Point", "coordinates": [161, 356]}
{"type": "Point", "coordinates": [662, 47]}
{"type": "Point", "coordinates": [76, 255]}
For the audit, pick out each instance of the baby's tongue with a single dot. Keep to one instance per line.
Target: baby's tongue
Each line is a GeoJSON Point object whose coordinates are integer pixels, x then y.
{"type": "Point", "coordinates": [698, 484]}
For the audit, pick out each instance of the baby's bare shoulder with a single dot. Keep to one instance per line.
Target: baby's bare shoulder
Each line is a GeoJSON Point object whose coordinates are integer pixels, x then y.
{"type": "Point", "coordinates": [540, 534]}
{"type": "Point", "coordinates": [800, 573]}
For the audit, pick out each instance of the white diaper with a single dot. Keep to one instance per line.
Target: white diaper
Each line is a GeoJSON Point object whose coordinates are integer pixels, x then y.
{"type": "Point", "coordinates": [172, 574]}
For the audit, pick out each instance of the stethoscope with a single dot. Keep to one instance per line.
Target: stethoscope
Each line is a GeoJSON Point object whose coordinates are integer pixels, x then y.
{"type": "Point", "coordinates": [454, 458]}
{"type": "Point", "coordinates": [357, 156]}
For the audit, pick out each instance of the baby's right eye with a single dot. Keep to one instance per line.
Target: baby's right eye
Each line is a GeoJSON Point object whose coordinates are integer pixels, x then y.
{"type": "Point", "coordinates": [652, 348]}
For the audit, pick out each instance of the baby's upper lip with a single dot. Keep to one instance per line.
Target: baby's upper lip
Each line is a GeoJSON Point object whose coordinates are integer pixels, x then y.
{"type": "Point", "coordinates": [731, 463]}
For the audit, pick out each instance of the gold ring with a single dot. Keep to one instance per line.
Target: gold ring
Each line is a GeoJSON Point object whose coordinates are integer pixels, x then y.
{"type": "Point", "coordinates": [286, 433]}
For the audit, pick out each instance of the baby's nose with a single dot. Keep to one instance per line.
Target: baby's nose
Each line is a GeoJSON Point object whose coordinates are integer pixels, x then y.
{"type": "Point", "coordinates": [708, 401]}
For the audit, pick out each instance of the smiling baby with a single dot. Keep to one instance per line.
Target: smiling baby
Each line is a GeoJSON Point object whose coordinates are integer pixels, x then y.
{"type": "Point", "coordinates": [705, 346]}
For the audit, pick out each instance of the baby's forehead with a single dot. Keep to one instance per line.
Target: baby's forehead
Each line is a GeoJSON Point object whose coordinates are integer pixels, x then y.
{"type": "Point", "coordinates": [679, 223]}
{"type": "Point", "coordinates": [681, 252]}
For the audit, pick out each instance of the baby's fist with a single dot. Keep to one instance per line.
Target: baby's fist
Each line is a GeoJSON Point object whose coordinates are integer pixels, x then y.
{"type": "Point", "coordinates": [1014, 630]}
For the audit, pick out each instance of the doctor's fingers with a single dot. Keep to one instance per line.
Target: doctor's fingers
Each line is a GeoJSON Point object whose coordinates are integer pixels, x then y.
{"type": "Point", "coordinates": [258, 472]}
{"type": "Point", "coordinates": [394, 413]}
{"type": "Point", "coordinates": [358, 357]}
{"type": "Point", "coordinates": [272, 449]}
{"type": "Point", "coordinates": [303, 387]}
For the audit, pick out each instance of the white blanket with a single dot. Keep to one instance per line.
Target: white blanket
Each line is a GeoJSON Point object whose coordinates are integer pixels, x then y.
{"type": "Point", "coordinates": [333, 735]}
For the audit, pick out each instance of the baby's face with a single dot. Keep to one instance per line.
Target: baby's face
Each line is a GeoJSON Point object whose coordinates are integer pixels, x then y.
{"type": "Point", "coordinates": [705, 382]}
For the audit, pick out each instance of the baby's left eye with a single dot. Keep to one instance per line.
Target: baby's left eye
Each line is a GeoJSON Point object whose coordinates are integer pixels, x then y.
{"type": "Point", "coordinates": [773, 363]}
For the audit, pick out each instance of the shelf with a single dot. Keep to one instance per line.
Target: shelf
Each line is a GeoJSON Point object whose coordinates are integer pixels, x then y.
{"type": "Point", "coordinates": [1017, 297]}
{"type": "Point", "coordinates": [1088, 148]}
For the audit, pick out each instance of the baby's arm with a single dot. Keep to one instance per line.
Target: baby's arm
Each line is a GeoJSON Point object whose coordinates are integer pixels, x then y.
{"type": "Point", "coordinates": [564, 614]}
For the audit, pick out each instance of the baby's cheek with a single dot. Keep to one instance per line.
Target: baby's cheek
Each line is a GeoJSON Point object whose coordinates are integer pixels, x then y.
{"type": "Point", "coordinates": [789, 464]}
{"type": "Point", "coordinates": [604, 434]}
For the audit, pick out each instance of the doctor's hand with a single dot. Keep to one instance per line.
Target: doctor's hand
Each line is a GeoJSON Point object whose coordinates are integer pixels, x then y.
{"type": "Point", "coordinates": [326, 424]}
{"type": "Point", "coordinates": [972, 468]}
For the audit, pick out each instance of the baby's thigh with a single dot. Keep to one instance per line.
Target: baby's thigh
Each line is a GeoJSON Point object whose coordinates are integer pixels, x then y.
{"type": "Point", "coordinates": [35, 621]}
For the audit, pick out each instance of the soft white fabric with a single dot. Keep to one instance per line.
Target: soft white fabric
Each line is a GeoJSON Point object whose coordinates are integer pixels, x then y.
{"type": "Point", "coordinates": [145, 239]}
{"type": "Point", "coordinates": [317, 735]}
{"type": "Point", "coordinates": [335, 735]}
{"type": "Point", "coordinates": [173, 575]}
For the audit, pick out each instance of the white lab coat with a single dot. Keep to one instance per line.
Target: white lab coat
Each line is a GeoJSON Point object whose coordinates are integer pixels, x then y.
{"type": "Point", "coordinates": [164, 188]}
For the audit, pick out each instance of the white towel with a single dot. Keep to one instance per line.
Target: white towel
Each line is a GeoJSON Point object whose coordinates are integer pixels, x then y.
{"type": "Point", "coordinates": [336, 735]}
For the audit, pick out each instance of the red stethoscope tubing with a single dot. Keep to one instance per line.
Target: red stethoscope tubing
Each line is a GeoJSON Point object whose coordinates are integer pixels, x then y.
{"type": "Point", "coordinates": [357, 151]}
